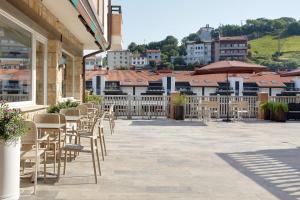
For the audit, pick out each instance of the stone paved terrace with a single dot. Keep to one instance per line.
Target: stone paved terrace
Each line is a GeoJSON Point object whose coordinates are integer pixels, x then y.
{"type": "Point", "coordinates": [187, 161]}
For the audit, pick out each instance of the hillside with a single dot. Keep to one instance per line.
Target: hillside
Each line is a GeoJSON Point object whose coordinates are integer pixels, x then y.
{"type": "Point", "coordinates": [263, 48]}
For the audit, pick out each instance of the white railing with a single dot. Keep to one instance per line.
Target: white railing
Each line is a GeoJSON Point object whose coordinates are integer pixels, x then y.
{"type": "Point", "coordinates": [287, 99]}
{"type": "Point", "coordinates": [127, 105]}
{"type": "Point", "coordinates": [194, 101]}
{"type": "Point", "coordinates": [14, 97]}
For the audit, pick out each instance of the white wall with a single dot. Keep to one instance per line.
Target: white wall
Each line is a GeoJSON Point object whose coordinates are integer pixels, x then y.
{"type": "Point", "coordinates": [127, 89]}
{"type": "Point", "coordinates": [197, 90]}
{"type": "Point", "coordinates": [297, 83]}
{"type": "Point", "coordinates": [140, 90]}
{"type": "Point", "coordinates": [209, 90]}
{"type": "Point", "coordinates": [276, 91]}
{"type": "Point", "coordinates": [117, 59]}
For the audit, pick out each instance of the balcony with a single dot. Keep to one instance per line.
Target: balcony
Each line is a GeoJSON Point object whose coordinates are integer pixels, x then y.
{"type": "Point", "coordinates": [113, 91]}
{"type": "Point", "coordinates": [223, 90]}
{"type": "Point", "coordinates": [155, 90]}
{"type": "Point", "coordinates": [185, 90]}
{"type": "Point", "coordinates": [290, 91]}
{"type": "Point", "coordinates": [250, 91]}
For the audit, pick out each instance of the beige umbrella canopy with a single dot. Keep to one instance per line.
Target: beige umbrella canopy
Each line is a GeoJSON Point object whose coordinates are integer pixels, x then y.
{"type": "Point", "coordinates": [231, 67]}
{"type": "Point", "coordinates": [291, 73]}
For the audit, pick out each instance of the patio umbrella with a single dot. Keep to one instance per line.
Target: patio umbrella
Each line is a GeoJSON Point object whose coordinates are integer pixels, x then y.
{"type": "Point", "coordinates": [230, 67]}
{"type": "Point", "coordinates": [291, 73]}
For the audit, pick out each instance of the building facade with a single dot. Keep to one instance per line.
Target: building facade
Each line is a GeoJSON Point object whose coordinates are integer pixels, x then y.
{"type": "Point", "coordinates": [119, 59]}
{"type": "Point", "coordinates": [154, 56]}
{"type": "Point", "coordinates": [205, 33]}
{"type": "Point", "coordinates": [231, 48]}
{"type": "Point", "coordinates": [198, 52]}
{"type": "Point", "coordinates": [41, 48]}
{"type": "Point", "coordinates": [93, 62]}
{"type": "Point", "coordinates": [139, 61]}
{"type": "Point", "coordinates": [131, 82]}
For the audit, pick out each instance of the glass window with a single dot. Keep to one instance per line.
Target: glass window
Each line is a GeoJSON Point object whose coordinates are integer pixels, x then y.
{"type": "Point", "coordinates": [16, 82]}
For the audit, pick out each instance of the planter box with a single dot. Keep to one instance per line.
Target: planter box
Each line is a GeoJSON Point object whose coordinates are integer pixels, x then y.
{"type": "Point", "coordinates": [179, 112]}
{"type": "Point", "coordinates": [10, 170]}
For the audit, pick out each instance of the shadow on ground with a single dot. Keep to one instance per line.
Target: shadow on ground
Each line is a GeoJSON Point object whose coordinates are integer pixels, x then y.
{"type": "Point", "coordinates": [278, 170]}
{"type": "Point", "coordinates": [162, 122]}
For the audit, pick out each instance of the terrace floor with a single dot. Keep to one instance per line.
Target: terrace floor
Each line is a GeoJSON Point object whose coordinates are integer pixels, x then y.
{"type": "Point", "coordinates": [163, 159]}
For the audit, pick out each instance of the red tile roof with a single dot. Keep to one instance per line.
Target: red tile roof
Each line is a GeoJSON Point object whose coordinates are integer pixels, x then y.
{"type": "Point", "coordinates": [134, 78]}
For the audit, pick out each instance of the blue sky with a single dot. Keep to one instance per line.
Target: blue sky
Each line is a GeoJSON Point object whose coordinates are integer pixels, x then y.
{"type": "Point", "coordinates": [153, 20]}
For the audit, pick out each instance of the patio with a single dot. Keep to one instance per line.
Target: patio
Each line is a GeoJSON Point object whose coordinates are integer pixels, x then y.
{"type": "Point", "coordinates": [164, 159]}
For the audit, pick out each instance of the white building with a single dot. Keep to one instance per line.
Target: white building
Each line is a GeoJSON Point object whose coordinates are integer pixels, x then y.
{"type": "Point", "coordinates": [139, 61]}
{"type": "Point", "coordinates": [205, 33]}
{"type": "Point", "coordinates": [154, 55]}
{"type": "Point", "coordinates": [93, 62]}
{"type": "Point", "coordinates": [198, 52]}
{"type": "Point", "coordinates": [119, 59]}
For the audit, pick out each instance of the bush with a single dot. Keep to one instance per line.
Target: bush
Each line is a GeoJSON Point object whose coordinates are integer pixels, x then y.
{"type": "Point", "coordinates": [280, 107]}
{"type": "Point", "coordinates": [180, 100]}
{"type": "Point", "coordinates": [62, 105]}
{"type": "Point", "coordinates": [12, 124]}
{"type": "Point", "coordinates": [93, 98]}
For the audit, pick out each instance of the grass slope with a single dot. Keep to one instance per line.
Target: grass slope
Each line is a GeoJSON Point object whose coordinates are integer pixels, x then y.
{"type": "Point", "coordinates": [267, 46]}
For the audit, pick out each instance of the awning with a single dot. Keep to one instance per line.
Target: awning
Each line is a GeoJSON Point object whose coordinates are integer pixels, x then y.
{"type": "Point", "coordinates": [90, 24]}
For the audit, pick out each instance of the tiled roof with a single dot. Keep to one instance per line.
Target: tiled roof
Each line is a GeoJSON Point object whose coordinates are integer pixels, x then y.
{"type": "Point", "coordinates": [14, 74]}
{"type": "Point", "coordinates": [233, 38]}
{"type": "Point", "coordinates": [230, 66]}
{"type": "Point", "coordinates": [142, 78]}
{"type": "Point", "coordinates": [153, 51]}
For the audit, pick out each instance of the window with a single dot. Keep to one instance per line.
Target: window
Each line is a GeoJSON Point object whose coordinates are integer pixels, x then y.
{"type": "Point", "coordinates": [17, 84]}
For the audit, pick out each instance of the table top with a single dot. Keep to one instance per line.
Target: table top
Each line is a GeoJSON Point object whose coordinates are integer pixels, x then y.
{"type": "Point", "coordinates": [73, 118]}
{"type": "Point", "coordinates": [49, 125]}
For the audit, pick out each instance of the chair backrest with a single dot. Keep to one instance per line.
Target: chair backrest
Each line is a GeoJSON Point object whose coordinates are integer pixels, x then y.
{"type": "Point", "coordinates": [111, 109]}
{"type": "Point", "coordinates": [243, 105]}
{"type": "Point", "coordinates": [213, 104]}
{"type": "Point", "coordinates": [31, 135]}
{"type": "Point", "coordinates": [204, 103]}
{"type": "Point", "coordinates": [83, 109]}
{"type": "Point", "coordinates": [70, 112]}
{"type": "Point", "coordinates": [95, 129]}
{"type": "Point", "coordinates": [88, 105]}
{"type": "Point", "coordinates": [46, 118]}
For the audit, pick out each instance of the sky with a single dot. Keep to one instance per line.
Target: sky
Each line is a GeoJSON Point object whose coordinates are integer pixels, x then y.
{"type": "Point", "coordinates": [145, 21]}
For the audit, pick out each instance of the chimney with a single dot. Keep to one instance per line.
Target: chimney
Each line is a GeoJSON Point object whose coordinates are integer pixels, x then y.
{"type": "Point", "coordinates": [116, 29]}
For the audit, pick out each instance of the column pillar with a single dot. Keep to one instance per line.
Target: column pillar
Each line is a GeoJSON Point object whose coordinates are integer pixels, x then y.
{"type": "Point", "coordinates": [54, 73]}
{"type": "Point", "coordinates": [263, 97]}
{"type": "Point", "coordinates": [78, 79]}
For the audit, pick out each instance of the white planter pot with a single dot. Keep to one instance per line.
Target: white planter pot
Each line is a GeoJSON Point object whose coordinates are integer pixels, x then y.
{"type": "Point", "coordinates": [10, 170]}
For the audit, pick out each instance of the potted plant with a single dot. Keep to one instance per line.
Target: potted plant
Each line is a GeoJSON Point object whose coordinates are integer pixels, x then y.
{"type": "Point", "coordinates": [12, 128]}
{"type": "Point", "coordinates": [62, 105]}
{"type": "Point", "coordinates": [280, 111]}
{"type": "Point", "coordinates": [179, 103]}
{"type": "Point", "coordinates": [267, 109]}
{"type": "Point", "coordinates": [94, 98]}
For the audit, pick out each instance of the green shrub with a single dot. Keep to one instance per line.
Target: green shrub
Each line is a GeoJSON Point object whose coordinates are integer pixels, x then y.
{"type": "Point", "coordinates": [268, 105]}
{"type": "Point", "coordinates": [93, 98]}
{"type": "Point", "coordinates": [62, 105]}
{"type": "Point", "coordinates": [180, 100]}
{"type": "Point", "coordinates": [12, 124]}
{"type": "Point", "coordinates": [280, 107]}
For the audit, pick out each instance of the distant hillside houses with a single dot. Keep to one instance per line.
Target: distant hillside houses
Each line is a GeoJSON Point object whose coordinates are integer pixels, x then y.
{"type": "Point", "coordinates": [124, 59]}
{"type": "Point", "coordinates": [208, 50]}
